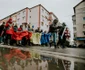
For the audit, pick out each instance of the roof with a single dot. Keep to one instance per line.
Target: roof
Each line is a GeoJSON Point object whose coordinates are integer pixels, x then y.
{"type": "Point", "coordinates": [78, 5]}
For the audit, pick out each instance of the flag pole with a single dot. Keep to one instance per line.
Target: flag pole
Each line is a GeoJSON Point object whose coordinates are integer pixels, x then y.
{"type": "Point", "coordinates": [63, 32]}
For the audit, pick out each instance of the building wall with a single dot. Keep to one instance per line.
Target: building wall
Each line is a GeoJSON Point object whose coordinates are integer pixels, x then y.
{"type": "Point", "coordinates": [44, 15]}
{"type": "Point", "coordinates": [54, 17]}
{"type": "Point", "coordinates": [34, 17]}
{"type": "Point", "coordinates": [14, 17]}
{"type": "Point", "coordinates": [80, 14]}
{"type": "Point", "coordinates": [21, 17]}
{"type": "Point", "coordinates": [74, 26]}
{"type": "Point", "coordinates": [79, 22]}
{"type": "Point", "coordinates": [18, 17]}
{"type": "Point", "coordinates": [37, 16]}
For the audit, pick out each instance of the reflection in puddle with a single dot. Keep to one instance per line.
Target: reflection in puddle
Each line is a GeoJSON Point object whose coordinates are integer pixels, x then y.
{"type": "Point", "coordinates": [15, 59]}
{"type": "Point", "coordinates": [79, 66]}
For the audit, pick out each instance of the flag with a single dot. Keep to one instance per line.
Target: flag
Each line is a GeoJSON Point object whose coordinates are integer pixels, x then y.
{"type": "Point", "coordinates": [10, 31]}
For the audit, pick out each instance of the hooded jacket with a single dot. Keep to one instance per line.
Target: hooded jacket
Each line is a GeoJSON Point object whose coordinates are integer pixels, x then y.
{"type": "Point", "coordinates": [53, 26]}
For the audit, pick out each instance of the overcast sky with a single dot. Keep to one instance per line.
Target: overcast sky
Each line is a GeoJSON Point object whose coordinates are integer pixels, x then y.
{"type": "Point", "coordinates": [63, 9]}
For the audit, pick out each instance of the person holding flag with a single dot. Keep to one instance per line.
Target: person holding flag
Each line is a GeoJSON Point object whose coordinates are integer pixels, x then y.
{"type": "Point", "coordinates": [9, 30]}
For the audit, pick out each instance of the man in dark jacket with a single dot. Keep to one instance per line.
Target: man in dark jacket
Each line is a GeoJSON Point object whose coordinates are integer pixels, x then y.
{"type": "Point", "coordinates": [53, 30]}
{"type": "Point", "coordinates": [2, 27]}
{"type": "Point", "coordinates": [62, 38]}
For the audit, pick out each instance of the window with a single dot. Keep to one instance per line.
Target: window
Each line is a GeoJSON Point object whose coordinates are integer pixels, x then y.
{"type": "Point", "coordinates": [74, 34]}
{"type": "Point", "coordinates": [84, 32]}
{"type": "Point", "coordinates": [83, 18]}
{"type": "Point", "coordinates": [83, 25]}
{"type": "Point", "coordinates": [23, 17]}
{"type": "Point", "coordinates": [42, 23]}
{"type": "Point", "coordinates": [42, 10]}
{"type": "Point", "coordinates": [74, 22]}
{"type": "Point", "coordinates": [74, 28]}
{"type": "Point", "coordinates": [42, 16]}
{"type": "Point", "coordinates": [30, 16]}
{"type": "Point", "coordinates": [46, 17]}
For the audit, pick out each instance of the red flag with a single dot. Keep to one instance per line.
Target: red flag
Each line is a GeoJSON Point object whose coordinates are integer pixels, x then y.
{"type": "Point", "coordinates": [27, 53]}
{"type": "Point", "coordinates": [6, 25]}
{"type": "Point", "coordinates": [16, 36]}
{"type": "Point", "coordinates": [20, 35]}
{"type": "Point", "coordinates": [15, 53]}
{"type": "Point", "coordinates": [8, 56]}
{"type": "Point", "coordinates": [24, 33]}
{"type": "Point", "coordinates": [10, 31]}
{"type": "Point", "coordinates": [29, 35]}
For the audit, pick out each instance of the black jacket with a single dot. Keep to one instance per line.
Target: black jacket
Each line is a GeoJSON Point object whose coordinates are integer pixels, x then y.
{"type": "Point", "coordinates": [53, 28]}
{"type": "Point", "coordinates": [15, 28]}
{"type": "Point", "coordinates": [1, 28]}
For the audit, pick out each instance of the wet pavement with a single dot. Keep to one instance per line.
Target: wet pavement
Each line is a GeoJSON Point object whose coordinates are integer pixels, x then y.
{"type": "Point", "coordinates": [41, 58]}
{"type": "Point", "coordinates": [71, 52]}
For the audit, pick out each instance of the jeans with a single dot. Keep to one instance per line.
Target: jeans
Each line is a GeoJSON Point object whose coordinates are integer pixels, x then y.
{"type": "Point", "coordinates": [1, 39]}
{"type": "Point", "coordinates": [54, 39]}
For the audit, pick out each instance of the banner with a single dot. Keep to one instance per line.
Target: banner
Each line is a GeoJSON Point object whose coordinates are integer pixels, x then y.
{"type": "Point", "coordinates": [20, 35]}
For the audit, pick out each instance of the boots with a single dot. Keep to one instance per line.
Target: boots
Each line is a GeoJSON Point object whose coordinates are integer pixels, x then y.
{"type": "Point", "coordinates": [55, 46]}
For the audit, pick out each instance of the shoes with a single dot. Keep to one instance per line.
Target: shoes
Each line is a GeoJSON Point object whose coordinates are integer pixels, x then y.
{"type": "Point", "coordinates": [55, 46]}
{"type": "Point", "coordinates": [1, 43]}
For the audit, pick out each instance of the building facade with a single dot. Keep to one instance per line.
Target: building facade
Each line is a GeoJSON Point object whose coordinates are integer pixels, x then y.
{"type": "Point", "coordinates": [79, 23]}
{"type": "Point", "coordinates": [37, 16]}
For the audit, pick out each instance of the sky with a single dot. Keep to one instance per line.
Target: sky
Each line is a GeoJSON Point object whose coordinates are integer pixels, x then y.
{"type": "Point", "coordinates": [63, 9]}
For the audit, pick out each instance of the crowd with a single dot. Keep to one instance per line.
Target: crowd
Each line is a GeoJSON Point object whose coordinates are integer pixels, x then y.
{"type": "Point", "coordinates": [12, 34]}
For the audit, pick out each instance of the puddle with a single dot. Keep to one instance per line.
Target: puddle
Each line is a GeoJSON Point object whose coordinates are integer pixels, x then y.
{"type": "Point", "coordinates": [16, 59]}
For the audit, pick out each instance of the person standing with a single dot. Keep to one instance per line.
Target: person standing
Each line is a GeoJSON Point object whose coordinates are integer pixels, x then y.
{"type": "Point", "coordinates": [9, 30]}
{"type": "Point", "coordinates": [15, 28]}
{"type": "Point", "coordinates": [53, 31]}
{"type": "Point", "coordinates": [19, 41]}
{"type": "Point", "coordinates": [2, 28]}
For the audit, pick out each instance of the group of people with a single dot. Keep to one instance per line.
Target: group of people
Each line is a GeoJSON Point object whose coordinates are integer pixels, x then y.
{"type": "Point", "coordinates": [10, 34]}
